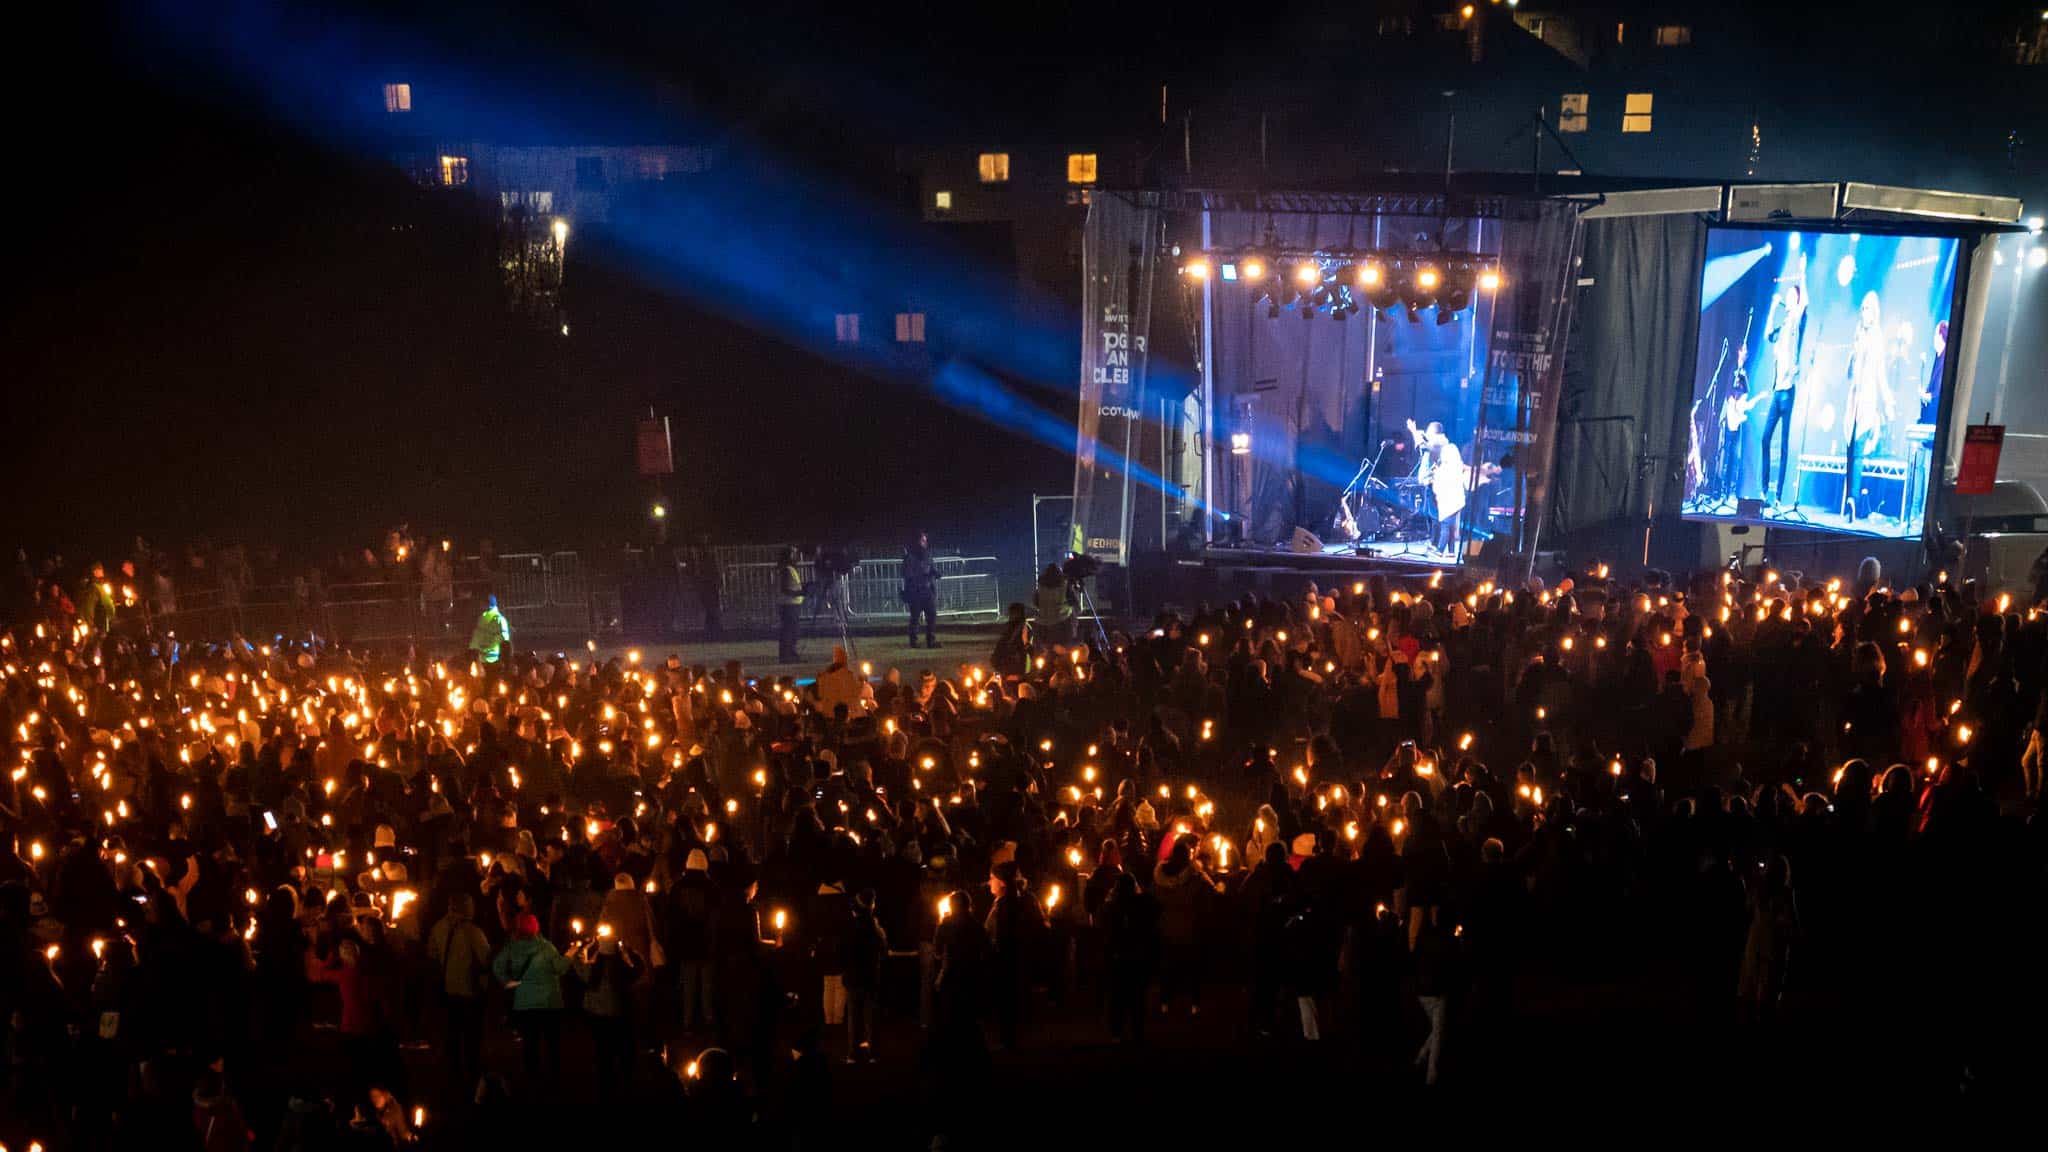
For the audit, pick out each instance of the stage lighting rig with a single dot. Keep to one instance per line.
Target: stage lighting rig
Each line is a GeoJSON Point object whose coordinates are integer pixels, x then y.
{"type": "Point", "coordinates": [1456, 293]}
{"type": "Point", "coordinates": [1346, 281]}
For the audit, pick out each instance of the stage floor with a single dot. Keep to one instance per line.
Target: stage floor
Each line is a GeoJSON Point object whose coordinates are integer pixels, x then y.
{"type": "Point", "coordinates": [1876, 525]}
{"type": "Point", "coordinates": [1414, 554]}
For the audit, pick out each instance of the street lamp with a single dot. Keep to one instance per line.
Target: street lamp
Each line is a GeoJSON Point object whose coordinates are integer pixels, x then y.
{"type": "Point", "coordinates": [561, 231]}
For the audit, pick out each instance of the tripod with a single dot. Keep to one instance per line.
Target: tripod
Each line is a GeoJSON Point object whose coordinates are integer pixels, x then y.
{"type": "Point", "coordinates": [1080, 590]}
{"type": "Point", "coordinates": [836, 594]}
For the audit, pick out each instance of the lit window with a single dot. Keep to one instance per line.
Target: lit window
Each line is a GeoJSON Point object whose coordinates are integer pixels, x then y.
{"type": "Point", "coordinates": [1672, 36]}
{"type": "Point", "coordinates": [910, 327]}
{"type": "Point", "coordinates": [1081, 168]}
{"type": "Point", "coordinates": [1635, 113]}
{"type": "Point", "coordinates": [1618, 30]}
{"type": "Point", "coordinates": [846, 326]}
{"type": "Point", "coordinates": [994, 167]}
{"type": "Point", "coordinates": [454, 171]}
{"type": "Point", "coordinates": [943, 201]}
{"type": "Point", "coordinates": [1571, 112]}
{"type": "Point", "coordinates": [398, 97]}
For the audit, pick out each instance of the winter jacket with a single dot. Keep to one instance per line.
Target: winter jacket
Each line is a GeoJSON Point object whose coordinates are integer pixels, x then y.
{"type": "Point", "coordinates": [359, 1009]}
{"type": "Point", "coordinates": [862, 946]}
{"type": "Point", "coordinates": [492, 633]}
{"type": "Point", "coordinates": [534, 970]}
{"type": "Point", "coordinates": [607, 982]}
{"type": "Point", "coordinates": [458, 949]}
{"type": "Point", "coordinates": [1179, 895]}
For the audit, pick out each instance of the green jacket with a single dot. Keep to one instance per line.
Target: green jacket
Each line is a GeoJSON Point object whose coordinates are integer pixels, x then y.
{"type": "Point", "coordinates": [536, 968]}
{"type": "Point", "coordinates": [492, 632]}
{"type": "Point", "coordinates": [96, 606]}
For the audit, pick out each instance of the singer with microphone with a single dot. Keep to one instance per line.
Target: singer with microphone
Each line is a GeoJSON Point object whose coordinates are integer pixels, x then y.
{"type": "Point", "coordinates": [1443, 471]}
{"type": "Point", "coordinates": [1786, 332]}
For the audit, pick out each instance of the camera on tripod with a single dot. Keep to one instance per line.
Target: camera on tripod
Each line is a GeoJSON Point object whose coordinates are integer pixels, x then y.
{"type": "Point", "coordinates": [1078, 567]}
{"type": "Point", "coordinates": [832, 562]}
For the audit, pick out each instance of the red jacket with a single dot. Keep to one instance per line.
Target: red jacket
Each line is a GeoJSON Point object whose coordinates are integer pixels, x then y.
{"type": "Point", "coordinates": [358, 1002]}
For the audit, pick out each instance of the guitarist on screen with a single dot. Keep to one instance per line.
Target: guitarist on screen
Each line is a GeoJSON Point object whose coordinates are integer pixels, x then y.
{"type": "Point", "coordinates": [1734, 414]}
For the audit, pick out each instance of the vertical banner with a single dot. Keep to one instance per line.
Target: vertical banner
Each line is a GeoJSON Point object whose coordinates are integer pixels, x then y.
{"type": "Point", "coordinates": [651, 447]}
{"type": "Point", "coordinates": [1978, 473]}
{"type": "Point", "coordinates": [1119, 252]}
{"type": "Point", "coordinates": [1517, 429]}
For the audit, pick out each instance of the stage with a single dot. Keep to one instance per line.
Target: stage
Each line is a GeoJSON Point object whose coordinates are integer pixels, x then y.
{"type": "Point", "coordinates": [1261, 368]}
{"type": "Point", "coordinates": [1219, 573]}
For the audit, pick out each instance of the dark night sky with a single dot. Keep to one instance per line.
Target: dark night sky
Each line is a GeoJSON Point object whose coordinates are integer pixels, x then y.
{"type": "Point", "coordinates": [242, 326]}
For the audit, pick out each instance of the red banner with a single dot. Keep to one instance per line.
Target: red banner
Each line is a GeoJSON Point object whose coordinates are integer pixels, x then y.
{"type": "Point", "coordinates": [655, 458]}
{"type": "Point", "coordinates": [1979, 468]}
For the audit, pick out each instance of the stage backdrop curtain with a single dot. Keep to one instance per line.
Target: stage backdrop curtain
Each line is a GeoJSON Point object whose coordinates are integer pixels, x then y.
{"type": "Point", "coordinates": [1628, 389]}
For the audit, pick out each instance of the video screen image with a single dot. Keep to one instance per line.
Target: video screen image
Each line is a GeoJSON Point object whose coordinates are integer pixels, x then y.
{"type": "Point", "coordinates": [1819, 379]}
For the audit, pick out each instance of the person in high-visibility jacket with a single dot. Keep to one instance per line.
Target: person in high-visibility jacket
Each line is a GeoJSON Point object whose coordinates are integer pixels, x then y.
{"type": "Point", "coordinates": [789, 597]}
{"type": "Point", "coordinates": [492, 632]}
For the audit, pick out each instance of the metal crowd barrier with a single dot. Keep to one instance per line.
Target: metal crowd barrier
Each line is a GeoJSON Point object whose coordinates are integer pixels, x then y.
{"type": "Point", "coordinates": [967, 591]}
{"type": "Point", "coordinates": [547, 594]}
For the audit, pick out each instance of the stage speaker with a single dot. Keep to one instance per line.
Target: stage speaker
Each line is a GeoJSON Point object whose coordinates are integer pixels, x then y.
{"type": "Point", "coordinates": [1305, 541]}
{"type": "Point", "coordinates": [1749, 509]}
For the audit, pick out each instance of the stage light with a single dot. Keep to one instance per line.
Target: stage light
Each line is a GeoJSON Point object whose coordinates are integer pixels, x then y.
{"type": "Point", "coordinates": [1240, 443]}
{"type": "Point", "coordinates": [1489, 280]}
{"type": "Point", "coordinates": [2034, 225]}
{"type": "Point", "coordinates": [1308, 274]}
{"type": "Point", "coordinates": [659, 511]}
{"type": "Point", "coordinates": [1196, 269]}
{"type": "Point", "coordinates": [2037, 257]}
{"type": "Point", "coordinates": [1456, 293]}
{"type": "Point", "coordinates": [1427, 279]}
{"type": "Point", "coordinates": [1368, 275]}
{"type": "Point", "coordinates": [1252, 268]}
{"type": "Point", "coordinates": [1466, 11]}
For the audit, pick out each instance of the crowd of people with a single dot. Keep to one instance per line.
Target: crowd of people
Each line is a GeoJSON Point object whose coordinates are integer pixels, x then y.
{"type": "Point", "coordinates": [284, 893]}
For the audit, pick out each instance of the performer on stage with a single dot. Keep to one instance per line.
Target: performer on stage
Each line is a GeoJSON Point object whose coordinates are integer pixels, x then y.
{"type": "Point", "coordinates": [1868, 405]}
{"type": "Point", "coordinates": [1930, 392]}
{"type": "Point", "coordinates": [1788, 344]}
{"type": "Point", "coordinates": [1443, 470]}
{"type": "Point", "coordinates": [1734, 414]}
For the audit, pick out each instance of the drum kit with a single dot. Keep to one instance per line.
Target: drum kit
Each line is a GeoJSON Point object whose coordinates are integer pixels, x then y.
{"type": "Point", "coordinates": [1375, 511]}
